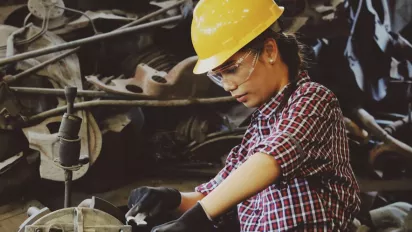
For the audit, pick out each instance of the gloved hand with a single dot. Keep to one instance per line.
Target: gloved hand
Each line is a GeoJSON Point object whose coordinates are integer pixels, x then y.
{"type": "Point", "coordinates": [153, 200]}
{"type": "Point", "coordinates": [194, 219]}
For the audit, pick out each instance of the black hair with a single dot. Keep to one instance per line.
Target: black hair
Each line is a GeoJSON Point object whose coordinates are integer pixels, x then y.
{"type": "Point", "coordinates": [290, 49]}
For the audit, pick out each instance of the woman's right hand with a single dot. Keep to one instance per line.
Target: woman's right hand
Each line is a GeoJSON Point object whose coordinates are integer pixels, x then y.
{"type": "Point", "coordinates": [153, 200]}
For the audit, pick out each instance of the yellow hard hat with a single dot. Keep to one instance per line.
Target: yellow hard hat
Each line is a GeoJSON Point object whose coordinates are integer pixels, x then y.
{"type": "Point", "coordinates": [220, 28]}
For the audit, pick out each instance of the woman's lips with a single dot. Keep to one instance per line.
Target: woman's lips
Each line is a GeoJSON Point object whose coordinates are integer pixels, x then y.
{"type": "Point", "coordinates": [241, 98]}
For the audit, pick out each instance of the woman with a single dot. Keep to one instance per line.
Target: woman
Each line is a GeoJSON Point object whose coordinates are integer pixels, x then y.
{"type": "Point", "coordinates": [291, 171]}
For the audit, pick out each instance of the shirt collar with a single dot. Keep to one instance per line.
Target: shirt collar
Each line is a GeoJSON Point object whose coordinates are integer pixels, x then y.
{"type": "Point", "coordinates": [269, 107]}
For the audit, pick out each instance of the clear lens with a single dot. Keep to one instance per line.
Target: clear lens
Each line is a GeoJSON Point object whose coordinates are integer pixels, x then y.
{"type": "Point", "coordinates": [238, 71]}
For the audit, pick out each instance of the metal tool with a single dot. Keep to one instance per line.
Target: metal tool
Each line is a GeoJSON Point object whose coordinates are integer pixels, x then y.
{"type": "Point", "coordinates": [69, 152]}
{"type": "Point", "coordinates": [139, 219]}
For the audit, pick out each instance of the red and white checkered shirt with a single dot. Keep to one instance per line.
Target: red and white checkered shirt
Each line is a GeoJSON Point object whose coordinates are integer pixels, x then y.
{"type": "Point", "coordinates": [302, 128]}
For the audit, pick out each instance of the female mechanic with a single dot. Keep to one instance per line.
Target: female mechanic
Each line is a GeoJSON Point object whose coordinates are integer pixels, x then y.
{"type": "Point", "coordinates": [291, 171]}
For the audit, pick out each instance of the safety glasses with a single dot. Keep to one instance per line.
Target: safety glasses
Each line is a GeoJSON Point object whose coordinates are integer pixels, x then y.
{"type": "Point", "coordinates": [237, 72]}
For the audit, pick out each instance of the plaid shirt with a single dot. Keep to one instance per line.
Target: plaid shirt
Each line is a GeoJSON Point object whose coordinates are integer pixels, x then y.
{"type": "Point", "coordinates": [302, 128]}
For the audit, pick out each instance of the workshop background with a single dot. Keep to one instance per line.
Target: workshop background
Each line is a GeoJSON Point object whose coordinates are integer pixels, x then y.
{"type": "Point", "coordinates": [98, 97]}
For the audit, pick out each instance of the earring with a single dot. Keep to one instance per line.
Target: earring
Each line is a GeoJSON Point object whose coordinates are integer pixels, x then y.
{"type": "Point", "coordinates": [271, 61]}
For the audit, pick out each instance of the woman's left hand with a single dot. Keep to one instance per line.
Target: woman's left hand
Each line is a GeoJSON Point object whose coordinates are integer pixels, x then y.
{"type": "Point", "coordinates": [194, 219]}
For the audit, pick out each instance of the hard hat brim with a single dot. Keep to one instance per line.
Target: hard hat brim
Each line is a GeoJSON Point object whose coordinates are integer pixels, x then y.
{"type": "Point", "coordinates": [204, 65]}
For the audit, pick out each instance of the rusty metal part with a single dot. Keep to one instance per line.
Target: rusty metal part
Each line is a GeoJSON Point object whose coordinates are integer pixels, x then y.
{"type": "Point", "coordinates": [91, 39]}
{"type": "Point", "coordinates": [145, 76]}
{"type": "Point", "coordinates": [389, 143]}
{"type": "Point", "coordinates": [41, 139]}
{"type": "Point", "coordinates": [147, 82]}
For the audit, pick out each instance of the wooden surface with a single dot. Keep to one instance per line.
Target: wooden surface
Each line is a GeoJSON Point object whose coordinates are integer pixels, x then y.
{"type": "Point", "coordinates": [14, 214]}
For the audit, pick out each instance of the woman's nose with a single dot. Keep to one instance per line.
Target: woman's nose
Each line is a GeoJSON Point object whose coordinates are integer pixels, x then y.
{"type": "Point", "coordinates": [228, 85]}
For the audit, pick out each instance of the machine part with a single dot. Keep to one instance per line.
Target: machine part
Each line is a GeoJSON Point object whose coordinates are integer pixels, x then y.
{"type": "Point", "coordinates": [392, 217]}
{"type": "Point", "coordinates": [69, 150]}
{"type": "Point", "coordinates": [8, 163]}
{"type": "Point", "coordinates": [105, 206]}
{"type": "Point", "coordinates": [63, 73]}
{"type": "Point", "coordinates": [36, 68]}
{"type": "Point", "coordinates": [10, 107]}
{"type": "Point", "coordinates": [10, 40]}
{"type": "Point", "coordinates": [354, 130]}
{"type": "Point", "coordinates": [78, 220]}
{"type": "Point", "coordinates": [38, 7]}
{"type": "Point", "coordinates": [154, 14]}
{"type": "Point", "coordinates": [6, 11]}
{"type": "Point", "coordinates": [389, 143]}
{"type": "Point", "coordinates": [139, 219]}
{"type": "Point", "coordinates": [153, 57]}
{"type": "Point", "coordinates": [145, 76]}
{"type": "Point", "coordinates": [150, 83]}
{"type": "Point", "coordinates": [45, 141]}
{"type": "Point", "coordinates": [198, 126]}
{"type": "Point", "coordinates": [142, 103]}
{"type": "Point", "coordinates": [396, 126]}
{"type": "Point", "coordinates": [115, 123]}
{"type": "Point", "coordinates": [60, 92]}
{"type": "Point", "coordinates": [92, 39]}
{"type": "Point", "coordinates": [34, 215]}
{"type": "Point", "coordinates": [83, 14]}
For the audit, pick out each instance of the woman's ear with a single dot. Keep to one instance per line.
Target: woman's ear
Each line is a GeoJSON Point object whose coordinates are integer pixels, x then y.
{"type": "Point", "coordinates": [271, 50]}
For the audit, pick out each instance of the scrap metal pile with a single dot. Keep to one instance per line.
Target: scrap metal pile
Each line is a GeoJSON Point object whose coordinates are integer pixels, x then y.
{"type": "Point", "coordinates": [143, 109]}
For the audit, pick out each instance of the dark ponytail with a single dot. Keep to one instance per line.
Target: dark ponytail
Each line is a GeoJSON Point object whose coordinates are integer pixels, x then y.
{"type": "Point", "coordinates": [290, 49]}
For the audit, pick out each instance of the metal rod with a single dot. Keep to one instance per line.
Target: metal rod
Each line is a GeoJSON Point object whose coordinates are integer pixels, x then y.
{"type": "Point", "coordinates": [80, 93]}
{"type": "Point", "coordinates": [151, 15]}
{"type": "Point", "coordinates": [68, 176]}
{"type": "Point", "coordinates": [60, 92]}
{"type": "Point", "coordinates": [141, 103]}
{"type": "Point", "coordinates": [40, 66]}
{"type": "Point", "coordinates": [92, 39]}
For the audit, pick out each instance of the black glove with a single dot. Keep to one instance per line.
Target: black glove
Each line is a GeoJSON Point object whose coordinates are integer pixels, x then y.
{"type": "Point", "coordinates": [194, 219]}
{"type": "Point", "coordinates": [152, 201]}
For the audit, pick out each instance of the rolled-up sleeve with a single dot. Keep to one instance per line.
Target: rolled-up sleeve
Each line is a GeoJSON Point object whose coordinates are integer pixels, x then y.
{"type": "Point", "coordinates": [304, 126]}
{"type": "Point", "coordinates": [230, 164]}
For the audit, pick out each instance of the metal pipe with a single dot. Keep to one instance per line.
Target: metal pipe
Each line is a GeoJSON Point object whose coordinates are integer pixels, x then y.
{"type": "Point", "coordinates": [68, 176]}
{"type": "Point", "coordinates": [151, 15]}
{"type": "Point", "coordinates": [80, 93]}
{"type": "Point", "coordinates": [141, 103]}
{"type": "Point", "coordinates": [60, 92]}
{"type": "Point", "coordinates": [38, 67]}
{"type": "Point", "coordinates": [92, 39]}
